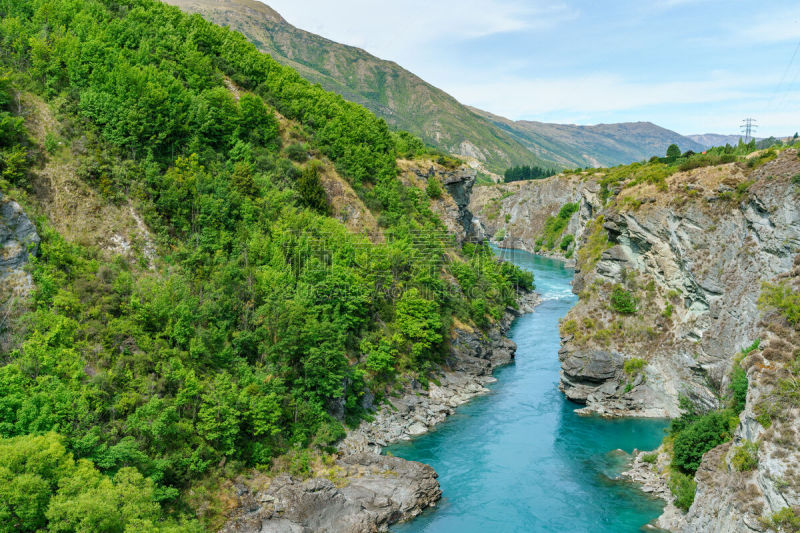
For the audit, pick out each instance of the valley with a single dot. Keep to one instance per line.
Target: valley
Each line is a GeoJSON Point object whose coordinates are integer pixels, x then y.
{"type": "Point", "coordinates": [254, 280]}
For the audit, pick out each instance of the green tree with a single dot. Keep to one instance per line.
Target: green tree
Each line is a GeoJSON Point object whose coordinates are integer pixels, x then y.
{"type": "Point", "coordinates": [311, 190]}
{"type": "Point", "coordinates": [673, 152]}
{"type": "Point", "coordinates": [692, 443]}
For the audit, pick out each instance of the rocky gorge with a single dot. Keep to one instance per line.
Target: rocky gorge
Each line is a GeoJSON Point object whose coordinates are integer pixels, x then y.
{"type": "Point", "coordinates": [669, 276]}
{"type": "Point", "coordinates": [362, 490]}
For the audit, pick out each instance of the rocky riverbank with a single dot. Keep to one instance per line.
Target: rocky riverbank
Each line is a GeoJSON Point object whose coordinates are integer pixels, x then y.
{"type": "Point", "coordinates": [364, 491]}
{"type": "Point", "coordinates": [468, 370]}
{"type": "Point", "coordinates": [652, 476]}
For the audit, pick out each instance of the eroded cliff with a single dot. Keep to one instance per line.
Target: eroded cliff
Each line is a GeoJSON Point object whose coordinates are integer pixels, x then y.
{"type": "Point", "coordinates": [689, 260]}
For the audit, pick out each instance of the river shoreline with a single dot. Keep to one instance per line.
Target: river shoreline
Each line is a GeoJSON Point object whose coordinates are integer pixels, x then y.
{"type": "Point", "coordinates": [367, 491]}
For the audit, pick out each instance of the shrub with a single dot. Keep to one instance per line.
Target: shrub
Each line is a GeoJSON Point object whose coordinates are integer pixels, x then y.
{"type": "Point", "coordinates": [434, 189]}
{"type": "Point", "coordinates": [311, 190]}
{"type": "Point", "coordinates": [673, 152]}
{"type": "Point", "coordinates": [634, 365]}
{"type": "Point", "coordinates": [297, 152]}
{"type": "Point", "coordinates": [683, 488]}
{"type": "Point", "coordinates": [650, 458]}
{"type": "Point", "coordinates": [782, 298]}
{"type": "Point", "coordinates": [746, 456]}
{"type": "Point", "coordinates": [708, 431]}
{"type": "Point", "coordinates": [738, 388]}
{"type": "Point", "coordinates": [623, 301]}
{"type": "Point", "coordinates": [567, 241]}
{"type": "Point", "coordinates": [500, 235]}
{"type": "Point", "coordinates": [570, 327]}
{"type": "Point", "coordinates": [787, 519]}
{"type": "Point", "coordinates": [555, 226]}
{"type": "Point", "coordinates": [300, 464]}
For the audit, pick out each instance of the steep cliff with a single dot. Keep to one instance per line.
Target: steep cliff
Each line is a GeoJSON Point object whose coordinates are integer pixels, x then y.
{"type": "Point", "coordinates": [449, 189]}
{"type": "Point", "coordinates": [689, 259]}
{"type": "Point", "coordinates": [762, 493]}
{"type": "Point", "coordinates": [514, 215]}
{"type": "Point", "coordinates": [671, 267]}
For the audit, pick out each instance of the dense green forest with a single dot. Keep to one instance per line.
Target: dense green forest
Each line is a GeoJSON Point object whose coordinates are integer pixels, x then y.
{"type": "Point", "coordinates": [527, 172]}
{"type": "Point", "coordinates": [261, 323]}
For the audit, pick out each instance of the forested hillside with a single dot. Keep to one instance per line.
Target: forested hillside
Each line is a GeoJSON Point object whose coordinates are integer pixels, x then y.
{"type": "Point", "coordinates": [253, 323]}
{"type": "Point", "coordinates": [404, 100]}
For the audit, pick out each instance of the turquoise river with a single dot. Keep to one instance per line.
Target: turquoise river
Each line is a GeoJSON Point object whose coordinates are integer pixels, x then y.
{"type": "Point", "coordinates": [519, 459]}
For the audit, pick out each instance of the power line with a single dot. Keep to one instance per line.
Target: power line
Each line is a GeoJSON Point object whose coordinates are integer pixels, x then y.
{"type": "Point", "coordinates": [785, 73]}
{"type": "Point", "coordinates": [747, 127]}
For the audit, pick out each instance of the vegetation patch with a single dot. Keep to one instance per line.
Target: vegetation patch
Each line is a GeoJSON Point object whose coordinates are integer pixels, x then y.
{"type": "Point", "coordinates": [745, 457]}
{"type": "Point", "coordinates": [596, 242]}
{"type": "Point", "coordinates": [783, 298]}
{"type": "Point", "coordinates": [683, 487]}
{"type": "Point", "coordinates": [787, 520]}
{"type": "Point", "coordinates": [634, 366]}
{"type": "Point", "coordinates": [527, 172]}
{"type": "Point", "coordinates": [650, 458]}
{"type": "Point", "coordinates": [623, 301]}
{"type": "Point", "coordinates": [554, 227]}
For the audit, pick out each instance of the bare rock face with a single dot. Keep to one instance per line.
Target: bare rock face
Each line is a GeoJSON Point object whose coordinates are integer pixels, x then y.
{"type": "Point", "coordinates": [452, 207]}
{"type": "Point", "coordinates": [368, 493]}
{"type": "Point", "coordinates": [18, 237]}
{"type": "Point", "coordinates": [694, 256]}
{"type": "Point", "coordinates": [18, 241]}
{"type": "Point", "coordinates": [514, 214]}
{"type": "Point", "coordinates": [730, 498]}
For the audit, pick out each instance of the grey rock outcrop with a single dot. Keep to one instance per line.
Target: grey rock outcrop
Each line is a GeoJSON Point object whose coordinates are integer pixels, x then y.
{"type": "Point", "coordinates": [18, 241]}
{"type": "Point", "coordinates": [18, 237]}
{"type": "Point", "coordinates": [367, 493]}
{"type": "Point", "coordinates": [696, 267]}
{"type": "Point", "coordinates": [453, 207]}
{"type": "Point", "coordinates": [516, 212]}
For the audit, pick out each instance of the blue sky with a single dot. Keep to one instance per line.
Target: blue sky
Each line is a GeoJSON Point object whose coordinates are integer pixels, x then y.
{"type": "Point", "coordinates": [694, 66]}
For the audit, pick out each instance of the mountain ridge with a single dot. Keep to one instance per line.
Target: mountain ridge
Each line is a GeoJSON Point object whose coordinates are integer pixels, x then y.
{"type": "Point", "coordinates": [593, 145]}
{"type": "Point", "coordinates": [408, 102]}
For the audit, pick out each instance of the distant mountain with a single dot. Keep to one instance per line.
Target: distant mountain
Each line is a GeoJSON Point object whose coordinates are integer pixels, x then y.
{"type": "Point", "coordinates": [715, 139]}
{"type": "Point", "coordinates": [407, 102]}
{"type": "Point", "coordinates": [403, 99]}
{"type": "Point", "coordinates": [600, 145]}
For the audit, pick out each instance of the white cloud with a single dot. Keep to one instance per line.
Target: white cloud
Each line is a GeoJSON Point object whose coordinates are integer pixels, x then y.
{"type": "Point", "coordinates": [388, 29]}
{"type": "Point", "coordinates": [596, 93]}
{"type": "Point", "coordinates": [774, 26]}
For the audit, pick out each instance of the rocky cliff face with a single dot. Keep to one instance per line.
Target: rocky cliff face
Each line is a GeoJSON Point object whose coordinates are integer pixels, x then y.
{"type": "Point", "coordinates": [453, 204]}
{"type": "Point", "coordinates": [693, 257]}
{"type": "Point", "coordinates": [18, 241]}
{"type": "Point", "coordinates": [513, 215]}
{"type": "Point", "coordinates": [766, 495]}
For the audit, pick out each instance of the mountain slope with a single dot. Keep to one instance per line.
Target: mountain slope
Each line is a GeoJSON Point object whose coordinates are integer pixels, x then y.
{"type": "Point", "coordinates": [715, 139]}
{"type": "Point", "coordinates": [404, 100]}
{"type": "Point", "coordinates": [229, 265]}
{"type": "Point", "coordinates": [593, 146]}
{"type": "Point", "coordinates": [407, 102]}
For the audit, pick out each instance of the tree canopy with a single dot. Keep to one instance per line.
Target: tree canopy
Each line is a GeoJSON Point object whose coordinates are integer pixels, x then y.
{"type": "Point", "coordinates": [260, 315]}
